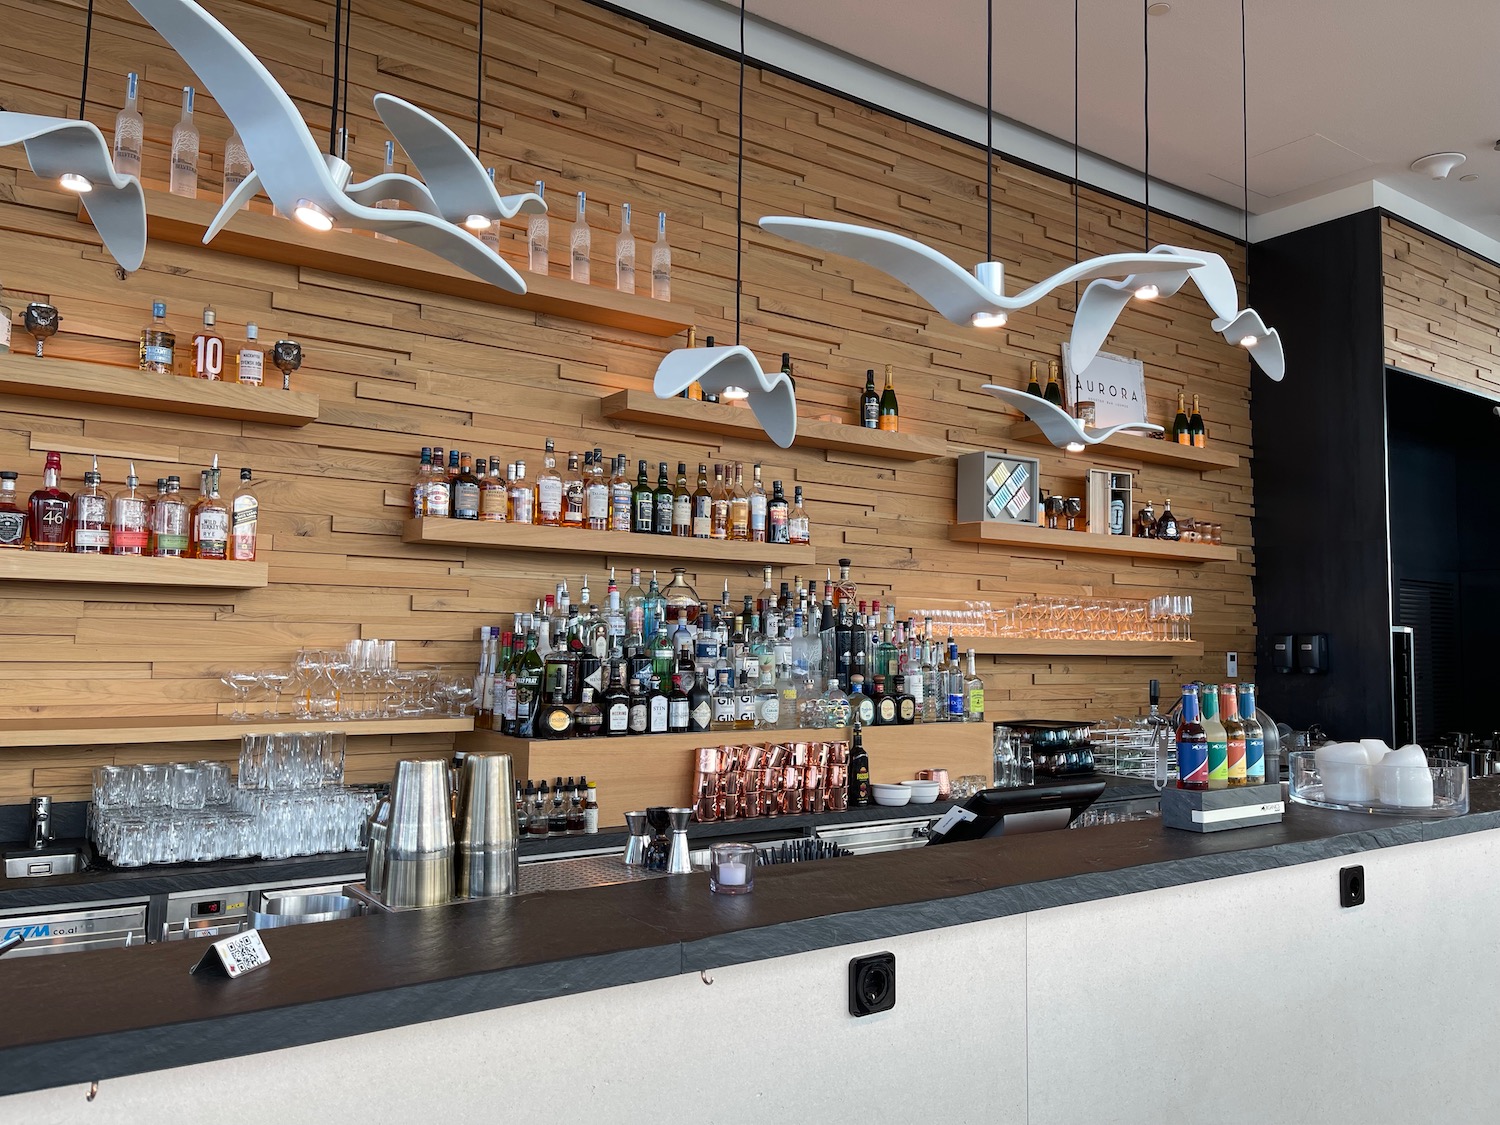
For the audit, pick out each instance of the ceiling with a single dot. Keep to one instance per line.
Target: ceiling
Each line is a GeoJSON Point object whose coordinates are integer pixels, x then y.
{"type": "Point", "coordinates": [1340, 92]}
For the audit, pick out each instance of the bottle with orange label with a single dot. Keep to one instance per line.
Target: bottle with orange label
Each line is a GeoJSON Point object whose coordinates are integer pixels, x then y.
{"type": "Point", "coordinates": [890, 414]}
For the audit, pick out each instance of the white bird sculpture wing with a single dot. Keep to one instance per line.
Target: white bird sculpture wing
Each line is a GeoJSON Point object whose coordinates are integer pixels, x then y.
{"type": "Point", "coordinates": [1056, 424]}
{"type": "Point", "coordinates": [286, 159]}
{"type": "Point", "coordinates": [940, 281]}
{"type": "Point", "coordinates": [459, 184]}
{"type": "Point", "coordinates": [1266, 351]}
{"type": "Point", "coordinates": [117, 206]}
{"type": "Point", "coordinates": [771, 396]}
{"type": "Point", "coordinates": [394, 185]}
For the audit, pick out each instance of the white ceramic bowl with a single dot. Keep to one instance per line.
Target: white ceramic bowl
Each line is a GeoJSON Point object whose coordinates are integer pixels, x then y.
{"type": "Point", "coordinates": [922, 792]}
{"type": "Point", "coordinates": [891, 795]}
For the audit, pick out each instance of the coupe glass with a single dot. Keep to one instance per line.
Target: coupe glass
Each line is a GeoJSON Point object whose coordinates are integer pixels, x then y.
{"type": "Point", "coordinates": [240, 683]}
{"type": "Point", "coordinates": [273, 680]}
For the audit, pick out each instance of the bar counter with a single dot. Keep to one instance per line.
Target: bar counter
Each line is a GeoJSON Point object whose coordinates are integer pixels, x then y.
{"type": "Point", "coordinates": [119, 1012]}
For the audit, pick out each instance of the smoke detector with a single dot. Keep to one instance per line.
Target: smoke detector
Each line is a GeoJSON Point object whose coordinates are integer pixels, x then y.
{"type": "Point", "coordinates": [1438, 164]}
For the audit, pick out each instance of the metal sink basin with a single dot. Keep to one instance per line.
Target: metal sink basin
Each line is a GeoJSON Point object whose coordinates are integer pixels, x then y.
{"type": "Point", "coordinates": [38, 863]}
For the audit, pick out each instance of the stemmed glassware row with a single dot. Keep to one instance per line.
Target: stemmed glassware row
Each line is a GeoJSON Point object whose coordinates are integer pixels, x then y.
{"type": "Point", "coordinates": [360, 681]}
{"type": "Point", "coordinates": [1069, 617]}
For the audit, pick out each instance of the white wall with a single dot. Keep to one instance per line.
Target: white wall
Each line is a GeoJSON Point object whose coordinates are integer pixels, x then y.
{"type": "Point", "coordinates": [1254, 998]}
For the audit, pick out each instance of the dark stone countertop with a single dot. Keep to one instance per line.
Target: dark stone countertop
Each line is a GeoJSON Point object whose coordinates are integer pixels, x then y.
{"type": "Point", "coordinates": [116, 1012]}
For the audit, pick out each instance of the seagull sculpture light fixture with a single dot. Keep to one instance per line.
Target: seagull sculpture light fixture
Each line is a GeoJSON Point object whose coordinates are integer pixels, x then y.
{"type": "Point", "coordinates": [301, 180]}
{"type": "Point", "coordinates": [733, 372]}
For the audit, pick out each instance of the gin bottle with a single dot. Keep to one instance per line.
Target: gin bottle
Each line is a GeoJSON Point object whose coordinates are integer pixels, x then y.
{"type": "Point", "coordinates": [129, 129]}
{"type": "Point", "coordinates": [91, 515]}
{"type": "Point", "coordinates": [661, 261]}
{"type": "Point", "coordinates": [580, 242]}
{"type": "Point", "coordinates": [184, 180]}
{"type": "Point", "coordinates": [537, 230]}
{"type": "Point", "coordinates": [130, 519]}
{"type": "Point", "coordinates": [625, 253]}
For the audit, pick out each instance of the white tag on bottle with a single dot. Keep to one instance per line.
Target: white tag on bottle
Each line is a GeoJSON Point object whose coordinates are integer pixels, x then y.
{"type": "Point", "coordinates": [234, 956]}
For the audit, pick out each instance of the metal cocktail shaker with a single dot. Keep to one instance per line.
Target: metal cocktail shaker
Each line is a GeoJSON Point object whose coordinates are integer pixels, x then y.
{"type": "Point", "coordinates": [485, 830]}
{"type": "Point", "coordinates": [419, 841]}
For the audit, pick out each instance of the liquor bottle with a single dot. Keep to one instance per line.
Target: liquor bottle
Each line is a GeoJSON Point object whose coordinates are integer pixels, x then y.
{"type": "Point", "coordinates": [572, 493]}
{"type": "Point", "coordinates": [758, 505]}
{"type": "Point", "coordinates": [934, 697]}
{"type": "Point", "coordinates": [738, 501]}
{"type": "Point", "coordinates": [906, 703]}
{"type": "Point", "coordinates": [590, 809]}
{"type": "Point", "coordinates": [129, 131]}
{"type": "Point", "coordinates": [484, 693]}
{"type": "Point", "coordinates": [494, 494]}
{"type": "Point", "coordinates": [637, 709]}
{"type": "Point", "coordinates": [778, 513]}
{"type": "Point", "coordinates": [702, 506]}
{"type": "Point", "coordinates": [1034, 387]}
{"type": "Point", "coordinates": [170, 522]}
{"type": "Point", "coordinates": [15, 521]}
{"type": "Point", "coordinates": [580, 242]}
{"type": "Point", "coordinates": [744, 701]}
{"type": "Point", "coordinates": [596, 494]}
{"type": "Point", "coordinates": [621, 497]}
{"type": "Point", "coordinates": [662, 517]}
{"type": "Point", "coordinates": [208, 350]}
{"type": "Point", "coordinates": [588, 717]}
{"type": "Point", "coordinates": [625, 253]}
{"type": "Point", "coordinates": [1166, 525]}
{"type": "Point", "coordinates": [463, 491]}
{"type": "Point", "coordinates": [798, 527]}
{"type": "Point", "coordinates": [1197, 433]}
{"type": "Point", "coordinates": [184, 176]}
{"type": "Point", "coordinates": [436, 497]}
{"type": "Point", "coordinates": [528, 687]}
{"type": "Point", "coordinates": [890, 414]}
{"type": "Point", "coordinates": [679, 708]}
{"type": "Point", "coordinates": [537, 230]}
{"type": "Point", "coordinates": [250, 367]}
{"type": "Point", "coordinates": [549, 490]}
{"type": "Point", "coordinates": [1234, 732]}
{"type": "Point", "coordinates": [554, 720]}
{"type": "Point", "coordinates": [974, 699]}
{"type": "Point", "coordinates": [885, 704]}
{"type": "Point", "coordinates": [869, 403]}
{"type": "Point", "coordinates": [1181, 432]}
{"type": "Point", "coordinates": [719, 506]}
{"type": "Point", "coordinates": [90, 515]}
{"type": "Point", "coordinates": [1255, 739]}
{"type": "Point", "coordinates": [643, 502]}
{"type": "Point", "coordinates": [237, 167]}
{"type": "Point", "coordinates": [1053, 393]}
{"type": "Point", "coordinates": [700, 705]}
{"type": "Point", "coordinates": [244, 518]}
{"type": "Point", "coordinates": [1218, 737]}
{"type": "Point", "coordinates": [661, 261]}
{"type": "Point", "coordinates": [859, 770]}
{"type": "Point", "coordinates": [861, 706]}
{"type": "Point", "coordinates": [658, 709]}
{"type": "Point", "coordinates": [956, 685]}
{"type": "Point", "coordinates": [1192, 743]}
{"type": "Point", "coordinates": [51, 510]}
{"type": "Point", "coordinates": [210, 519]}
{"type": "Point", "coordinates": [651, 610]}
{"type": "Point", "coordinates": [1145, 522]}
{"type": "Point", "coordinates": [158, 352]}
{"type": "Point", "coordinates": [694, 390]}
{"type": "Point", "coordinates": [538, 802]}
{"type": "Point", "coordinates": [522, 497]}
{"type": "Point", "coordinates": [5, 323]}
{"type": "Point", "coordinates": [682, 505]}
{"type": "Point", "coordinates": [723, 700]}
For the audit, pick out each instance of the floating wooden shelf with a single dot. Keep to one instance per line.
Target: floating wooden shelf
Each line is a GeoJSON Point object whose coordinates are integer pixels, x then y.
{"type": "Point", "coordinates": [1037, 646]}
{"type": "Point", "coordinates": [131, 570]}
{"type": "Point", "coordinates": [260, 235]}
{"type": "Point", "coordinates": [718, 418]}
{"type": "Point", "coordinates": [1024, 535]}
{"type": "Point", "coordinates": [657, 769]}
{"type": "Point", "coordinates": [1133, 447]}
{"type": "Point", "coordinates": [72, 380]}
{"type": "Point", "coordinates": [534, 537]}
{"type": "Point", "coordinates": [135, 730]}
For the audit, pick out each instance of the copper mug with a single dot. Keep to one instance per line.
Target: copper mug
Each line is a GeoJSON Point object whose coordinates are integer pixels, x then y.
{"type": "Point", "coordinates": [945, 788]}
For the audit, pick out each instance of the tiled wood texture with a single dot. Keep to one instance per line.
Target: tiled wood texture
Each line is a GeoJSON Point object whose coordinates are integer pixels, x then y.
{"type": "Point", "coordinates": [583, 99]}
{"type": "Point", "coordinates": [1442, 310]}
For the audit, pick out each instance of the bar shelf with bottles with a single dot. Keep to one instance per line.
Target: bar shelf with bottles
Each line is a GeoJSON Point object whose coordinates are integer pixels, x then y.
{"type": "Point", "coordinates": [1025, 535]}
{"type": "Point", "coordinates": [137, 730]}
{"type": "Point", "coordinates": [589, 509]}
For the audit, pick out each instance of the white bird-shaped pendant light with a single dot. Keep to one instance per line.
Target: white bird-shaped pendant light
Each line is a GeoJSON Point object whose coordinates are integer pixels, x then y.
{"type": "Point", "coordinates": [300, 179]}
{"type": "Point", "coordinates": [1057, 425]}
{"type": "Point", "coordinates": [733, 369]}
{"type": "Point", "coordinates": [76, 155]}
{"type": "Point", "coordinates": [960, 296]}
{"type": "Point", "coordinates": [1104, 300]}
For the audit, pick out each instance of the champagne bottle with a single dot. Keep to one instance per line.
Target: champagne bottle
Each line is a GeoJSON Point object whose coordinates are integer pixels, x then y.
{"type": "Point", "coordinates": [1180, 431]}
{"type": "Point", "coordinates": [890, 414]}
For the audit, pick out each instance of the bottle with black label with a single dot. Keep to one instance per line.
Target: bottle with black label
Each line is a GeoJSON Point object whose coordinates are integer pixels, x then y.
{"type": "Point", "coordinates": [869, 403]}
{"type": "Point", "coordinates": [616, 707]}
{"type": "Point", "coordinates": [700, 706]}
{"type": "Point", "coordinates": [906, 703]}
{"type": "Point", "coordinates": [1166, 524]}
{"type": "Point", "coordinates": [678, 707]}
{"type": "Point", "coordinates": [555, 719]}
{"type": "Point", "coordinates": [859, 771]}
{"type": "Point", "coordinates": [639, 721]}
{"type": "Point", "coordinates": [885, 704]}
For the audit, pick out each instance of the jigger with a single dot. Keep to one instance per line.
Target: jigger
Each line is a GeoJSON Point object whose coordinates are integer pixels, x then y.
{"type": "Point", "coordinates": [635, 850]}
{"type": "Point", "coordinates": [679, 861]}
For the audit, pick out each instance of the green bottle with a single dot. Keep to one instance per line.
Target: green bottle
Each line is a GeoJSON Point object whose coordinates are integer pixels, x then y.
{"type": "Point", "coordinates": [1218, 738]}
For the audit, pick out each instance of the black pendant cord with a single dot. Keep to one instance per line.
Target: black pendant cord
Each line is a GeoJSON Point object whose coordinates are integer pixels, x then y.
{"type": "Point", "coordinates": [348, 34]}
{"type": "Point", "coordinates": [333, 98]}
{"type": "Point", "coordinates": [1245, 142]}
{"type": "Point", "coordinates": [739, 190]}
{"type": "Point", "coordinates": [1146, 111]}
{"type": "Point", "coordinates": [989, 132]}
{"type": "Point", "coordinates": [88, 39]}
{"type": "Point", "coordinates": [1077, 183]}
{"type": "Point", "coordinates": [479, 85]}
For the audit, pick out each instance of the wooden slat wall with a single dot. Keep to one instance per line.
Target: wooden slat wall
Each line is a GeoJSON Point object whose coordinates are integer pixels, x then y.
{"type": "Point", "coordinates": [1442, 310]}
{"type": "Point", "coordinates": [584, 99]}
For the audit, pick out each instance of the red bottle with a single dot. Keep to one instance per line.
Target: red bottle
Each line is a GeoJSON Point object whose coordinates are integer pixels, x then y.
{"type": "Point", "coordinates": [51, 521]}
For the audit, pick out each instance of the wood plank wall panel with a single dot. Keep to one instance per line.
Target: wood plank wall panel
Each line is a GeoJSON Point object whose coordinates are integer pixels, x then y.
{"type": "Point", "coordinates": [583, 99]}
{"type": "Point", "coordinates": [1442, 309]}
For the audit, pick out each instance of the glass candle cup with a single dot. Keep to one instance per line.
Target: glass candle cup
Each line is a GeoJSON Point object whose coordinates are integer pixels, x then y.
{"type": "Point", "coordinates": [731, 869]}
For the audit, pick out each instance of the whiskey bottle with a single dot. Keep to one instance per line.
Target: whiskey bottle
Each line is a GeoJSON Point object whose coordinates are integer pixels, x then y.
{"type": "Point", "coordinates": [185, 140]}
{"type": "Point", "coordinates": [51, 511]}
{"type": "Point", "coordinates": [251, 366]}
{"type": "Point", "coordinates": [1197, 433]}
{"type": "Point", "coordinates": [1166, 526]}
{"type": "Point", "coordinates": [662, 519]}
{"type": "Point", "coordinates": [580, 242]}
{"type": "Point", "coordinates": [210, 519]}
{"type": "Point", "coordinates": [702, 506]}
{"type": "Point", "coordinates": [537, 231]}
{"type": "Point", "coordinates": [244, 519]}
{"type": "Point", "coordinates": [464, 491]}
{"type": "Point", "coordinates": [1034, 387]}
{"type": "Point", "coordinates": [621, 498]}
{"type": "Point", "coordinates": [129, 130]}
{"type": "Point", "coordinates": [625, 253]}
{"type": "Point", "coordinates": [890, 414]}
{"type": "Point", "coordinates": [758, 505]}
{"type": "Point", "coordinates": [869, 403]}
{"type": "Point", "coordinates": [643, 501]}
{"type": "Point", "coordinates": [158, 351]}
{"type": "Point", "coordinates": [494, 495]}
{"type": "Point", "coordinates": [170, 522]}
{"type": "Point", "coordinates": [573, 494]}
{"type": "Point", "coordinates": [437, 498]}
{"type": "Point", "coordinates": [208, 350]}
{"type": "Point", "coordinates": [859, 770]}
{"type": "Point", "coordinates": [739, 505]}
{"type": "Point", "coordinates": [777, 515]}
{"type": "Point", "coordinates": [798, 528]}
{"type": "Point", "coordinates": [555, 720]}
{"type": "Point", "coordinates": [719, 526]}
{"type": "Point", "coordinates": [91, 515]}
{"type": "Point", "coordinates": [1145, 522]}
{"type": "Point", "coordinates": [661, 261]}
{"type": "Point", "coordinates": [588, 719]}
{"type": "Point", "coordinates": [596, 495]}
{"type": "Point", "coordinates": [14, 519]}
{"type": "Point", "coordinates": [1053, 393]}
{"type": "Point", "coordinates": [549, 490]}
{"type": "Point", "coordinates": [906, 703]}
{"type": "Point", "coordinates": [1181, 432]}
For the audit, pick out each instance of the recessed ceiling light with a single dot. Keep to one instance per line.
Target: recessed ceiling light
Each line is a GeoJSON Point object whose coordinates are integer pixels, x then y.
{"type": "Point", "coordinates": [1158, 9]}
{"type": "Point", "coordinates": [1469, 179]}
